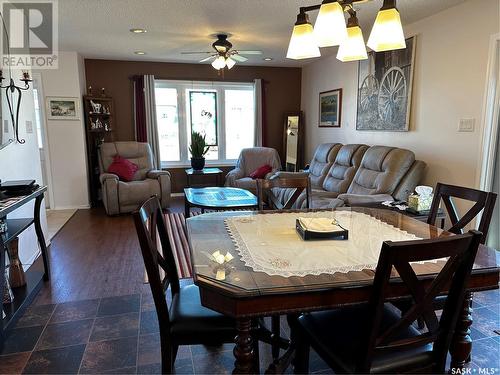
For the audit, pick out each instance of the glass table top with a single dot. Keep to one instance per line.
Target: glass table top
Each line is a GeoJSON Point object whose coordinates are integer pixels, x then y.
{"type": "Point", "coordinates": [208, 233]}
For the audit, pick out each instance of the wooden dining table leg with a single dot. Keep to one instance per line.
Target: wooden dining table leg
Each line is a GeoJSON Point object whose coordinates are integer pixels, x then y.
{"type": "Point", "coordinates": [244, 349]}
{"type": "Point", "coordinates": [461, 345]}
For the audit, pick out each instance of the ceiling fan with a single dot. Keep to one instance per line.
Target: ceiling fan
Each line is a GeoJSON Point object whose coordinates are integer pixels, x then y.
{"type": "Point", "coordinates": [224, 55]}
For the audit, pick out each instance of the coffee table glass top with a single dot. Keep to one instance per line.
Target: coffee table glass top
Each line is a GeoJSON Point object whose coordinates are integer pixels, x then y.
{"type": "Point", "coordinates": [220, 197]}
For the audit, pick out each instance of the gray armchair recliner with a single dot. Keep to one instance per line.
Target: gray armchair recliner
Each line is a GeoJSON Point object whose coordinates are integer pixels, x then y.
{"type": "Point", "coordinates": [122, 197]}
{"type": "Point", "coordinates": [250, 159]}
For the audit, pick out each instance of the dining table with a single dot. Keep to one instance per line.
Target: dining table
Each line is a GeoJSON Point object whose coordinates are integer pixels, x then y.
{"type": "Point", "coordinates": [271, 270]}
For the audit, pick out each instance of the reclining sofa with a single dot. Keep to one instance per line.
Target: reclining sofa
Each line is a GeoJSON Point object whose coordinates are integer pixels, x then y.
{"type": "Point", "coordinates": [355, 174]}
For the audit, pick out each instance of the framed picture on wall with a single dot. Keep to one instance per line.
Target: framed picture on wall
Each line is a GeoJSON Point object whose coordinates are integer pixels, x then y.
{"type": "Point", "coordinates": [330, 108]}
{"type": "Point", "coordinates": [385, 82]}
{"type": "Point", "coordinates": [63, 108]}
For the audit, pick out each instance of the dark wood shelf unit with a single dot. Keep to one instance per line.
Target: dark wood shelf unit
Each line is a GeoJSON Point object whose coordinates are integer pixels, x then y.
{"type": "Point", "coordinates": [37, 273]}
{"type": "Point", "coordinates": [23, 296]}
{"type": "Point", "coordinates": [96, 136]}
{"type": "Point", "coordinates": [15, 228]}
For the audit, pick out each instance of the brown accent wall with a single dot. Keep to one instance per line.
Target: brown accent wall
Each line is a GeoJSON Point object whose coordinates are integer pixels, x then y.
{"type": "Point", "coordinates": [282, 89]}
{"type": "Point", "coordinates": [282, 85]}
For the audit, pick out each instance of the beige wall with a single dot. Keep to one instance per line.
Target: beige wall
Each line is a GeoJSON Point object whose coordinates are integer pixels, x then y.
{"type": "Point", "coordinates": [66, 138]}
{"type": "Point", "coordinates": [449, 84]}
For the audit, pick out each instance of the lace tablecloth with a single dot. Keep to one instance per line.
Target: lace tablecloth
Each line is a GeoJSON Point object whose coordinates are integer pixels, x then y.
{"type": "Point", "coordinates": [269, 243]}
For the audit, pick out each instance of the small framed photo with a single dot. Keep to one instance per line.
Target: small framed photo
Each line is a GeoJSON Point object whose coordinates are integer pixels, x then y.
{"type": "Point", "coordinates": [63, 108]}
{"type": "Point", "coordinates": [330, 108]}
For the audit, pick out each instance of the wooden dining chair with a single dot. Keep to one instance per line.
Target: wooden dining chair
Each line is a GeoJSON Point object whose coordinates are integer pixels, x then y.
{"type": "Point", "coordinates": [281, 193]}
{"type": "Point", "coordinates": [483, 201]}
{"type": "Point", "coordinates": [185, 321]}
{"type": "Point", "coordinates": [375, 337]}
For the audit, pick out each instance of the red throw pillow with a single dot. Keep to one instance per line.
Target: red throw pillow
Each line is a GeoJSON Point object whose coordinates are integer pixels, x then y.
{"type": "Point", "coordinates": [123, 168]}
{"type": "Point", "coordinates": [261, 172]}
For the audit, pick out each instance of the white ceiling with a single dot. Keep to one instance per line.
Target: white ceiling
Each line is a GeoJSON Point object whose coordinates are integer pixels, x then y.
{"type": "Point", "coordinates": [100, 28]}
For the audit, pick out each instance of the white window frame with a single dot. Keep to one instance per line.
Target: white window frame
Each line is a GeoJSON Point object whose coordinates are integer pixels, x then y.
{"type": "Point", "coordinates": [182, 88]}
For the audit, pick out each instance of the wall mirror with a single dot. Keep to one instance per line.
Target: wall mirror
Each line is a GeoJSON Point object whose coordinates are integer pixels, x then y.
{"type": "Point", "coordinates": [292, 141]}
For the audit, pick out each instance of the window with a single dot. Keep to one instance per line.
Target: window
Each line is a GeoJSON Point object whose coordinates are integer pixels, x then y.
{"type": "Point", "coordinates": [223, 112]}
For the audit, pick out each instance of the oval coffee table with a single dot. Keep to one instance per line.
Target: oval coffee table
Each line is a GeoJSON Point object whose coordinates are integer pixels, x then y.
{"type": "Point", "coordinates": [218, 198]}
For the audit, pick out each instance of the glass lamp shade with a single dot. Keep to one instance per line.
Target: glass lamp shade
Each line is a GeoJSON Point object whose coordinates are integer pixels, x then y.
{"type": "Point", "coordinates": [387, 32]}
{"type": "Point", "coordinates": [353, 48]}
{"type": "Point", "coordinates": [330, 29]}
{"type": "Point", "coordinates": [219, 63]}
{"type": "Point", "coordinates": [302, 45]}
{"type": "Point", "coordinates": [230, 63]}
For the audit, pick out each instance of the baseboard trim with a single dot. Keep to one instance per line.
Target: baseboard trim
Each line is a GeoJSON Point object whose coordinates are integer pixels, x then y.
{"type": "Point", "coordinates": [83, 207]}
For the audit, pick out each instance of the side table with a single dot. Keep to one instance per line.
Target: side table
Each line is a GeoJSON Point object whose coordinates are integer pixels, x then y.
{"type": "Point", "coordinates": [210, 172]}
{"type": "Point", "coordinates": [440, 218]}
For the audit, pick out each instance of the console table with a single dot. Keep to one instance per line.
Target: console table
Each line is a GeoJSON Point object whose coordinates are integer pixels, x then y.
{"type": "Point", "coordinates": [24, 295]}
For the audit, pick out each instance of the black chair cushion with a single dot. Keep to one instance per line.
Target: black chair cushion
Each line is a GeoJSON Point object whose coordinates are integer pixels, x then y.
{"type": "Point", "coordinates": [190, 320]}
{"type": "Point", "coordinates": [337, 337]}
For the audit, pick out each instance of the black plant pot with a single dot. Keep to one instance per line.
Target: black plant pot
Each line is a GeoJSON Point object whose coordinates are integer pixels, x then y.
{"type": "Point", "coordinates": [197, 163]}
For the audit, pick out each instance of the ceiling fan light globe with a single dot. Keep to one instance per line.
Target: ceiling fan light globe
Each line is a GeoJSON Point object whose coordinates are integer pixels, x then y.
{"type": "Point", "coordinates": [219, 63]}
{"type": "Point", "coordinates": [387, 32]}
{"type": "Point", "coordinates": [330, 28]}
{"type": "Point", "coordinates": [303, 45]}
{"type": "Point", "coordinates": [353, 48]}
{"type": "Point", "coordinates": [230, 63]}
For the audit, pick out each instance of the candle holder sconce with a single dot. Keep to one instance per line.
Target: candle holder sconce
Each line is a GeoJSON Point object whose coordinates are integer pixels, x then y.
{"type": "Point", "coordinates": [10, 90]}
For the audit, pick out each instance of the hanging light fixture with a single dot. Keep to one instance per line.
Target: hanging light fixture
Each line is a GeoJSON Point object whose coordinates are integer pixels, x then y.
{"type": "Point", "coordinates": [387, 32]}
{"type": "Point", "coordinates": [330, 29]}
{"type": "Point", "coordinates": [302, 43]}
{"type": "Point", "coordinates": [353, 48]}
{"type": "Point", "coordinates": [230, 63]}
{"type": "Point", "coordinates": [219, 62]}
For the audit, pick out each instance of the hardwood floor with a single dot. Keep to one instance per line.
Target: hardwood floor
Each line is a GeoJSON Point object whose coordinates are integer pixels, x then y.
{"type": "Point", "coordinates": [96, 256]}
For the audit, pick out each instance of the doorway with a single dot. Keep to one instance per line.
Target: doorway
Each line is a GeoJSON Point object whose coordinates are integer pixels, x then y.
{"type": "Point", "coordinates": [490, 158]}
{"type": "Point", "coordinates": [41, 131]}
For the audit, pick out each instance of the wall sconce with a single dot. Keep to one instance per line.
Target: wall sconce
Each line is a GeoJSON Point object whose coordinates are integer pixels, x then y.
{"type": "Point", "coordinates": [15, 89]}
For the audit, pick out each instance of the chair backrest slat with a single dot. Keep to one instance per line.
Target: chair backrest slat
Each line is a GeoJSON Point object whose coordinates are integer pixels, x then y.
{"type": "Point", "coordinates": [300, 184]}
{"type": "Point", "coordinates": [483, 201]}
{"type": "Point", "coordinates": [460, 251]}
{"type": "Point", "coordinates": [160, 265]}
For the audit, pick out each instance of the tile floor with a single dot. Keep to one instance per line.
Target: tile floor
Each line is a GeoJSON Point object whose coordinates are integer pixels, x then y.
{"type": "Point", "coordinates": [56, 220]}
{"type": "Point", "coordinates": [120, 335]}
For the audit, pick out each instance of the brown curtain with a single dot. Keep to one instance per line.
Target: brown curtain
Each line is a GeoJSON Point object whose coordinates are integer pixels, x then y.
{"type": "Point", "coordinates": [141, 133]}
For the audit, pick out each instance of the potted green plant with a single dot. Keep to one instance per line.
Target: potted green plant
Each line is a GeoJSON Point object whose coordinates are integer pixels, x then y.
{"type": "Point", "coordinates": [198, 150]}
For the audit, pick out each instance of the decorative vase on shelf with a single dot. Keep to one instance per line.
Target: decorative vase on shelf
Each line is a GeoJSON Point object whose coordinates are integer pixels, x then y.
{"type": "Point", "coordinates": [197, 163]}
{"type": "Point", "coordinates": [198, 150]}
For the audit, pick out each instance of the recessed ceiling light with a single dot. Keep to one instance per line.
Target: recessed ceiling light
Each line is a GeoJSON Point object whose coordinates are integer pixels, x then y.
{"type": "Point", "coordinates": [140, 52]}
{"type": "Point", "coordinates": [138, 31]}
{"type": "Point", "coordinates": [267, 59]}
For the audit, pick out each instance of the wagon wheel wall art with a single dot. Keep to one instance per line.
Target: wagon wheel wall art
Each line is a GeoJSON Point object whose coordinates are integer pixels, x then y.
{"type": "Point", "coordinates": [384, 89]}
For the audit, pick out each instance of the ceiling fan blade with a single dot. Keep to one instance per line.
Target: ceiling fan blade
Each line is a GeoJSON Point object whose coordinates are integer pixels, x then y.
{"type": "Point", "coordinates": [239, 58]}
{"type": "Point", "coordinates": [195, 53]}
{"type": "Point", "coordinates": [249, 52]}
{"type": "Point", "coordinates": [207, 58]}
